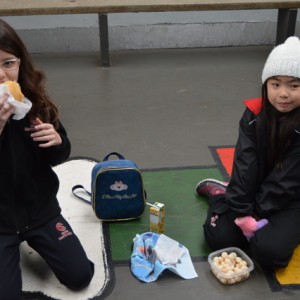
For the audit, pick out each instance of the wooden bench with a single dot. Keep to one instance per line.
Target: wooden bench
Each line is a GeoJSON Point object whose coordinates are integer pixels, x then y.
{"type": "Point", "coordinates": [286, 22]}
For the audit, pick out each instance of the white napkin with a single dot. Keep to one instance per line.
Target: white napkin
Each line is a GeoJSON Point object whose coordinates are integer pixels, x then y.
{"type": "Point", "coordinates": [168, 251]}
{"type": "Point", "coordinates": [22, 108]}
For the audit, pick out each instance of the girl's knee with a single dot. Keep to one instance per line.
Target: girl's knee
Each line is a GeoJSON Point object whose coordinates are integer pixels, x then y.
{"type": "Point", "coordinates": [269, 256]}
{"type": "Point", "coordinates": [216, 240]}
{"type": "Point", "coordinates": [221, 235]}
{"type": "Point", "coordinates": [80, 279]}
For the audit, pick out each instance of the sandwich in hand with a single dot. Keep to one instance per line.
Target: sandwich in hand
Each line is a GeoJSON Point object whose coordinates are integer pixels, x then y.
{"type": "Point", "coordinates": [15, 90]}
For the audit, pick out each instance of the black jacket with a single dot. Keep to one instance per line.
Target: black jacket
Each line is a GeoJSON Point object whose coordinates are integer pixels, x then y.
{"type": "Point", "coordinates": [28, 185]}
{"type": "Point", "coordinates": [253, 191]}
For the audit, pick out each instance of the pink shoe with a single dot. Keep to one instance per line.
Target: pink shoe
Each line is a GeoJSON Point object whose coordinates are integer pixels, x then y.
{"type": "Point", "coordinates": [211, 187]}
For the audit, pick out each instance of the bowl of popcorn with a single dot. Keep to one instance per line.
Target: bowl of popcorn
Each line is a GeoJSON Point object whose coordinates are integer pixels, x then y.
{"type": "Point", "coordinates": [230, 265]}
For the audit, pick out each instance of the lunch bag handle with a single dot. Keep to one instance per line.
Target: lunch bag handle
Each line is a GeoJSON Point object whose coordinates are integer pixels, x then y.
{"type": "Point", "coordinates": [113, 153]}
{"type": "Point", "coordinates": [79, 186]}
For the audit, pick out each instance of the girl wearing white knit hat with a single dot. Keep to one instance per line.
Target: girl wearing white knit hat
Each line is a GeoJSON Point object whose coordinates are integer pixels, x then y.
{"type": "Point", "coordinates": [259, 209]}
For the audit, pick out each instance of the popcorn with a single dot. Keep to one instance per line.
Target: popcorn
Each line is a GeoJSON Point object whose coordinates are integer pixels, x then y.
{"type": "Point", "coordinates": [230, 265]}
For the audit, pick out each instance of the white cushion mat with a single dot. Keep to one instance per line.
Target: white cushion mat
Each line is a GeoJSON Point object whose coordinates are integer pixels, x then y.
{"type": "Point", "coordinates": [37, 276]}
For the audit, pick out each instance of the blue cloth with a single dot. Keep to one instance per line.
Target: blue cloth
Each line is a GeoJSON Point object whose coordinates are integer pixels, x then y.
{"type": "Point", "coordinates": [146, 266]}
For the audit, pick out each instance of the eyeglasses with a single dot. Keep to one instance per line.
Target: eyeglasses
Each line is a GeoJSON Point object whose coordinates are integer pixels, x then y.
{"type": "Point", "coordinates": [10, 64]}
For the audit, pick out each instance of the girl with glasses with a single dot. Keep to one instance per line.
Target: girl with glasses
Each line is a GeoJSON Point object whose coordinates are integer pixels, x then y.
{"type": "Point", "coordinates": [29, 210]}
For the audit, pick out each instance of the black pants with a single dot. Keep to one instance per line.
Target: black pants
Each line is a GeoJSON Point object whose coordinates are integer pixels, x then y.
{"type": "Point", "coordinates": [58, 245]}
{"type": "Point", "coordinates": [272, 246]}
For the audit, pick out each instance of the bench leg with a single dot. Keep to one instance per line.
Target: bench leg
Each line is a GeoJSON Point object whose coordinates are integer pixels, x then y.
{"type": "Point", "coordinates": [286, 24]}
{"type": "Point", "coordinates": [104, 45]}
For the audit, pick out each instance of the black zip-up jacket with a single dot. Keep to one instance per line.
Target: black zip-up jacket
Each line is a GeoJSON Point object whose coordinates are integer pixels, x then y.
{"type": "Point", "coordinates": [28, 185]}
{"type": "Point", "coordinates": [251, 190]}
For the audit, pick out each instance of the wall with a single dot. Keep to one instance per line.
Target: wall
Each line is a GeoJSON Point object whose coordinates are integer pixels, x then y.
{"type": "Point", "coordinates": [65, 33]}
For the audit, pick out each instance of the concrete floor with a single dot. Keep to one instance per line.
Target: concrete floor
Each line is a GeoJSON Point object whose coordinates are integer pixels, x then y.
{"type": "Point", "coordinates": [160, 108]}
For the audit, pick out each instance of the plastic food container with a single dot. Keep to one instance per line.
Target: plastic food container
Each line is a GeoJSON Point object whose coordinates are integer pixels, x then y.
{"type": "Point", "coordinates": [230, 265]}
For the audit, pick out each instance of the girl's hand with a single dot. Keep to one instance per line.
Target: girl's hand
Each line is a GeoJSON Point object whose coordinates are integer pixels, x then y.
{"type": "Point", "coordinates": [46, 134]}
{"type": "Point", "coordinates": [6, 110]}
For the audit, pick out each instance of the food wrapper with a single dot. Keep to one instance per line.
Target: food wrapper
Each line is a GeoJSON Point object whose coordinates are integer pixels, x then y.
{"type": "Point", "coordinates": [22, 108]}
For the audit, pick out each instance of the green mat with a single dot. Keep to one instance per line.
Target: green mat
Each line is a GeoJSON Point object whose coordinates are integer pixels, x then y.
{"type": "Point", "coordinates": [185, 212]}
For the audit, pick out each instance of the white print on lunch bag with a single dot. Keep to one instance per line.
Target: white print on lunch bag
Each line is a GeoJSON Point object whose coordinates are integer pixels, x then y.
{"type": "Point", "coordinates": [119, 197]}
{"type": "Point", "coordinates": [118, 186]}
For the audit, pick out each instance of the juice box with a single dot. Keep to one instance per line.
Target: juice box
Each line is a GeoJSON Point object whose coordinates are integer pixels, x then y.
{"type": "Point", "coordinates": [157, 217]}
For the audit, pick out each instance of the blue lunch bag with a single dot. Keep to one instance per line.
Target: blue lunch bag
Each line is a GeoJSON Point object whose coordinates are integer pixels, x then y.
{"type": "Point", "coordinates": [117, 191]}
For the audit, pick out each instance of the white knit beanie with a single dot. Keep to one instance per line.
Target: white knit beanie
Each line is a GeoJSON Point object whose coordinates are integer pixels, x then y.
{"type": "Point", "coordinates": [284, 60]}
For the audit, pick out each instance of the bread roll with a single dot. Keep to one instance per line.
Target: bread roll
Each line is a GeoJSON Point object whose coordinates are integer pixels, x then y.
{"type": "Point", "coordinates": [15, 90]}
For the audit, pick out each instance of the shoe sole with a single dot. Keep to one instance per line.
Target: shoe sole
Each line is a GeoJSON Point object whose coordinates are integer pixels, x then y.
{"type": "Point", "coordinates": [212, 180]}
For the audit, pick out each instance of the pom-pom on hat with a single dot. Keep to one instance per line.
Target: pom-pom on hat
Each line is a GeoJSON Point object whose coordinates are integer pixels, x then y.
{"type": "Point", "coordinates": [284, 60]}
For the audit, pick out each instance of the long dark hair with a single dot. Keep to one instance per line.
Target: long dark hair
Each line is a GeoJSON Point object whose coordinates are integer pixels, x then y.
{"type": "Point", "coordinates": [277, 129]}
{"type": "Point", "coordinates": [31, 80]}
